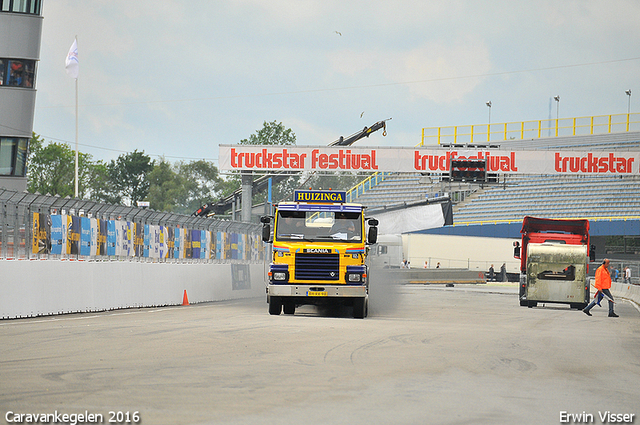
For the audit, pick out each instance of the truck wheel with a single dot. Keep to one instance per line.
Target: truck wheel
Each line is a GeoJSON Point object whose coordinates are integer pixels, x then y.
{"type": "Point", "coordinates": [360, 307]}
{"type": "Point", "coordinates": [289, 307]}
{"type": "Point", "coordinates": [523, 303]}
{"type": "Point", "coordinates": [532, 304]}
{"type": "Point", "coordinates": [275, 305]}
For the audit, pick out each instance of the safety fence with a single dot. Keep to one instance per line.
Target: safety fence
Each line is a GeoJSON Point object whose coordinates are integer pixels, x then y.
{"type": "Point", "coordinates": [39, 227]}
{"type": "Point", "coordinates": [486, 133]}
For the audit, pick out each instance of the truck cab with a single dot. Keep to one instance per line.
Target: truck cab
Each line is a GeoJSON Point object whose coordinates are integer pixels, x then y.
{"type": "Point", "coordinates": [319, 253]}
{"type": "Point", "coordinates": [554, 262]}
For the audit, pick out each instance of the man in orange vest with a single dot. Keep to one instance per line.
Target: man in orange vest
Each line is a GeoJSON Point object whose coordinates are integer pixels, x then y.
{"type": "Point", "coordinates": [603, 283]}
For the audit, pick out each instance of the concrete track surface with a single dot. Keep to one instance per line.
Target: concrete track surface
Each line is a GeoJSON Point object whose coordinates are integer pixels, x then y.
{"type": "Point", "coordinates": [425, 355]}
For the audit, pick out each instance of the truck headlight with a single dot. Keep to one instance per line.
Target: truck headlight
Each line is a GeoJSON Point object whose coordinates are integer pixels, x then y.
{"type": "Point", "coordinates": [356, 256]}
{"type": "Point", "coordinates": [279, 276]}
{"type": "Point", "coordinates": [354, 277]}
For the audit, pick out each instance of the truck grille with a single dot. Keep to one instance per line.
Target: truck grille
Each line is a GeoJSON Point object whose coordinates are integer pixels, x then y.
{"type": "Point", "coordinates": [317, 267]}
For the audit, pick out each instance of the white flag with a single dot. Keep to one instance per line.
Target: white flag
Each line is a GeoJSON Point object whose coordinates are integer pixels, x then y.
{"type": "Point", "coordinates": [71, 63]}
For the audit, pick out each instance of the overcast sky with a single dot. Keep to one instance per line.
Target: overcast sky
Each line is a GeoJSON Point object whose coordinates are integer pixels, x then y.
{"type": "Point", "coordinates": [177, 78]}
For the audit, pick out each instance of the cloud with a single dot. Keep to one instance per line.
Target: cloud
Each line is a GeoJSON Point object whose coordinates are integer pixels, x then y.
{"type": "Point", "coordinates": [431, 71]}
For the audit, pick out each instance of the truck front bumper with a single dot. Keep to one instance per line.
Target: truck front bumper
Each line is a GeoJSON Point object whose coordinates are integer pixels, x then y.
{"type": "Point", "coordinates": [317, 290]}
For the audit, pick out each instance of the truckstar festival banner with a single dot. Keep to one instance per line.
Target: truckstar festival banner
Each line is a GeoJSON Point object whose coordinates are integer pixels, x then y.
{"type": "Point", "coordinates": [309, 158]}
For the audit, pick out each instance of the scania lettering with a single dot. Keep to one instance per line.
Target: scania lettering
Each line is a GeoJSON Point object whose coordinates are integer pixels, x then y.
{"type": "Point", "coordinates": [554, 260]}
{"type": "Point", "coordinates": [319, 253]}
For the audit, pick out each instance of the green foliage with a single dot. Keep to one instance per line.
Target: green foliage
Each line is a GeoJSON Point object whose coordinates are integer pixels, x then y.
{"type": "Point", "coordinates": [334, 181]}
{"type": "Point", "coordinates": [128, 176]}
{"type": "Point", "coordinates": [101, 188]}
{"type": "Point", "coordinates": [271, 133]}
{"type": "Point", "coordinates": [203, 183]}
{"type": "Point", "coordinates": [132, 177]}
{"type": "Point", "coordinates": [51, 169]}
{"type": "Point", "coordinates": [166, 188]}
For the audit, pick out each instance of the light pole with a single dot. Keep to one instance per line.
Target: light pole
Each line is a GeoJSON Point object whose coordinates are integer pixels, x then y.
{"type": "Point", "coordinates": [488, 103]}
{"type": "Point", "coordinates": [557, 99]}
{"type": "Point", "coordinates": [628, 93]}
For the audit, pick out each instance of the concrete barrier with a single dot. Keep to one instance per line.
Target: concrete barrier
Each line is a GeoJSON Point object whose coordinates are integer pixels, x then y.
{"type": "Point", "coordinates": [627, 291]}
{"type": "Point", "coordinates": [440, 276]}
{"type": "Point", "coordinates": [40, 288]}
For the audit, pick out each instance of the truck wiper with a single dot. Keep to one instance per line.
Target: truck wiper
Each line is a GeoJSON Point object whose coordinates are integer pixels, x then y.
{"type": "Point", "coordinates": [295, 236]}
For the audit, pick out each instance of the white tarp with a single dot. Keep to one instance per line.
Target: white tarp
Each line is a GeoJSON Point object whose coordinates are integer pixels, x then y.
{"type": "Point", "coordinates": [410, 219]}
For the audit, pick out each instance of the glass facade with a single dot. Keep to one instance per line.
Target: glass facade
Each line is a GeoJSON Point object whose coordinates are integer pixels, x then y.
{"type": "Point", "coordinates": [31, 7]}
{"type": "Point", "coordinates": [17, 72]}
{"type": "Point", "coordinates": [13, 156]}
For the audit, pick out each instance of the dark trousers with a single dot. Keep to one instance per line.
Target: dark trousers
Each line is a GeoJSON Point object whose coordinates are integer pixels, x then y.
{"type": "Point", "coordinates": [595, 300]}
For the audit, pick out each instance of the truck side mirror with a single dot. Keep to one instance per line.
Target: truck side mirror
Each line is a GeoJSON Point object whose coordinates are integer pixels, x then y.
{"type": "Point", "coordinates": [372, 237]}
{"type": "Point", "coordinates": [592, 253]}
{"type": "Point", "coordinates": [266, 232]}
{"type": "Point", "coordinates": [266, 228]}
{"type": "Point", "coordinates": [516, 250]}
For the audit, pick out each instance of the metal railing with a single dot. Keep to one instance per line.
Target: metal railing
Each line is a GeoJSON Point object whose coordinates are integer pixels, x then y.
{"type": "Point", "coordinates": [365, 185]}
{"type": "Point", "coordinates": [487, 133]}
{"type": "Point", "coordinates": [34, 226]}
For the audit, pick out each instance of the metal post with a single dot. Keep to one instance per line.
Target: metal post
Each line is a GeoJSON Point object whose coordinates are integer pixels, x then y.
{"type": "Point", "coordinates": [247, 193]}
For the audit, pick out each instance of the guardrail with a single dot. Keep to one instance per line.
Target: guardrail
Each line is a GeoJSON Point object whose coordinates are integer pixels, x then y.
{"type": "Point", "coordinates": [486, 133]}
{"type": "Point", "coordinates": [365, 185]}
{"type": "Point", "coordinates": [34, 226]}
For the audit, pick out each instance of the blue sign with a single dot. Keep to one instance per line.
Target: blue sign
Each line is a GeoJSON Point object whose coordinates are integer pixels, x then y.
{"type": "Point", "coordinates": [85, 236]}
{"type": "Point", "coordinates": [57, 241]}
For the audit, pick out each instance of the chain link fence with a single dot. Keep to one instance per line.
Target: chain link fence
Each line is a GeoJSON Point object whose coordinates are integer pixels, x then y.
{"type": "Point", "coordinates": [40, 227]}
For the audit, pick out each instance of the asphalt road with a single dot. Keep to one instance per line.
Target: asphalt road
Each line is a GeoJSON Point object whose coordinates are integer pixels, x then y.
{"type": "Point", "coordinates": [425, 355]}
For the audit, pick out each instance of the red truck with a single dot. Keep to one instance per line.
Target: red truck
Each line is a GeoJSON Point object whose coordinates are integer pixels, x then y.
{"type": "Point", "coordinates": [554, 261]}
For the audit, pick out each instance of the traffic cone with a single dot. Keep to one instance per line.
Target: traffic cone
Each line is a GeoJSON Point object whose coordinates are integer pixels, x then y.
{"type": "Point", "coordinates": [185, 299]}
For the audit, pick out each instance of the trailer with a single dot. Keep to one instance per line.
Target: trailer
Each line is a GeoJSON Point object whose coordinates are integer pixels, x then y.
{"type": "Point", "coordinates": [554, 262]}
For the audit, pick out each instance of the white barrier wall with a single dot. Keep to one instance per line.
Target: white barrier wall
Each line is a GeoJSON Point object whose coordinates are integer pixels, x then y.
{"type": "Point", "coordinates": [37, 288]}
{"type": "Point", "coordinates": [626, 290]}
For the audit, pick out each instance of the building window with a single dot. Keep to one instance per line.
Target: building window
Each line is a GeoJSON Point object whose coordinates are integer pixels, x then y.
{"type": "Point", "coordinates": [13, 156]}
{"type": "Point", "coordinates": [17, 72]}
{"type": "Point", "coordinates": [31, 7]}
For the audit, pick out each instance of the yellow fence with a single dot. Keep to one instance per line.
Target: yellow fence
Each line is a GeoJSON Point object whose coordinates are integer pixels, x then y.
{"type": "Point", "coordinates": [487, 133]}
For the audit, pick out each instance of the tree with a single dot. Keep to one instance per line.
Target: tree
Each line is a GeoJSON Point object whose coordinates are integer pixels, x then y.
{"type": "Point", "coordinates": [335, 181]}
{"type": "Point", "coordinates": [271, 133]}
{"type": "Point", "coordinates": [101, 188]}
{"type": "Point", "coordinates": [205, 183]}
{"type": "Point", "coordinates": [167, 189]}
{"type": "Point", "coordinates": [128, 175]}
{"type": "Point", "coordinates": [51, 169]}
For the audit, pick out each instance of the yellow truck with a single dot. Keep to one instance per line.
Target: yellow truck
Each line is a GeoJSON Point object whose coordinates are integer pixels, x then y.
{"type": "Point", "coordinates": [319, 252]}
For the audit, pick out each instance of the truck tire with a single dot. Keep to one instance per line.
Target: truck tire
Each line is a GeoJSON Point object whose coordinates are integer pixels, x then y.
{"type": "Point", "coordinates": [275, 305]}
{"type": "Point", "coordinates": [289, 307]}
{"type": "Point", "coordinates": [523, 303]}
{"type": "Point", "coordinates": [360, 308]}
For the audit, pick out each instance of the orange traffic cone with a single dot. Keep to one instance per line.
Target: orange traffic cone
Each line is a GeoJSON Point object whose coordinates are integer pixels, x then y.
{"type": "Point", "coordinates": [185, 299]}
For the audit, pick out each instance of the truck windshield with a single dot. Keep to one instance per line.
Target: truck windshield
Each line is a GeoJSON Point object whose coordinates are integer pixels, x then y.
{"type": "Point", "coordinates": [325, 226]}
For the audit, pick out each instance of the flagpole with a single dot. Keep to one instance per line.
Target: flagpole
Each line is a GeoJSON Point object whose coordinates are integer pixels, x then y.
{"type": "Point", "coordinates": [76, 168]}
{"type": "Point", "coordinates": [71, 66]}
{"type": "Point", "coordinates": [76, 180]}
